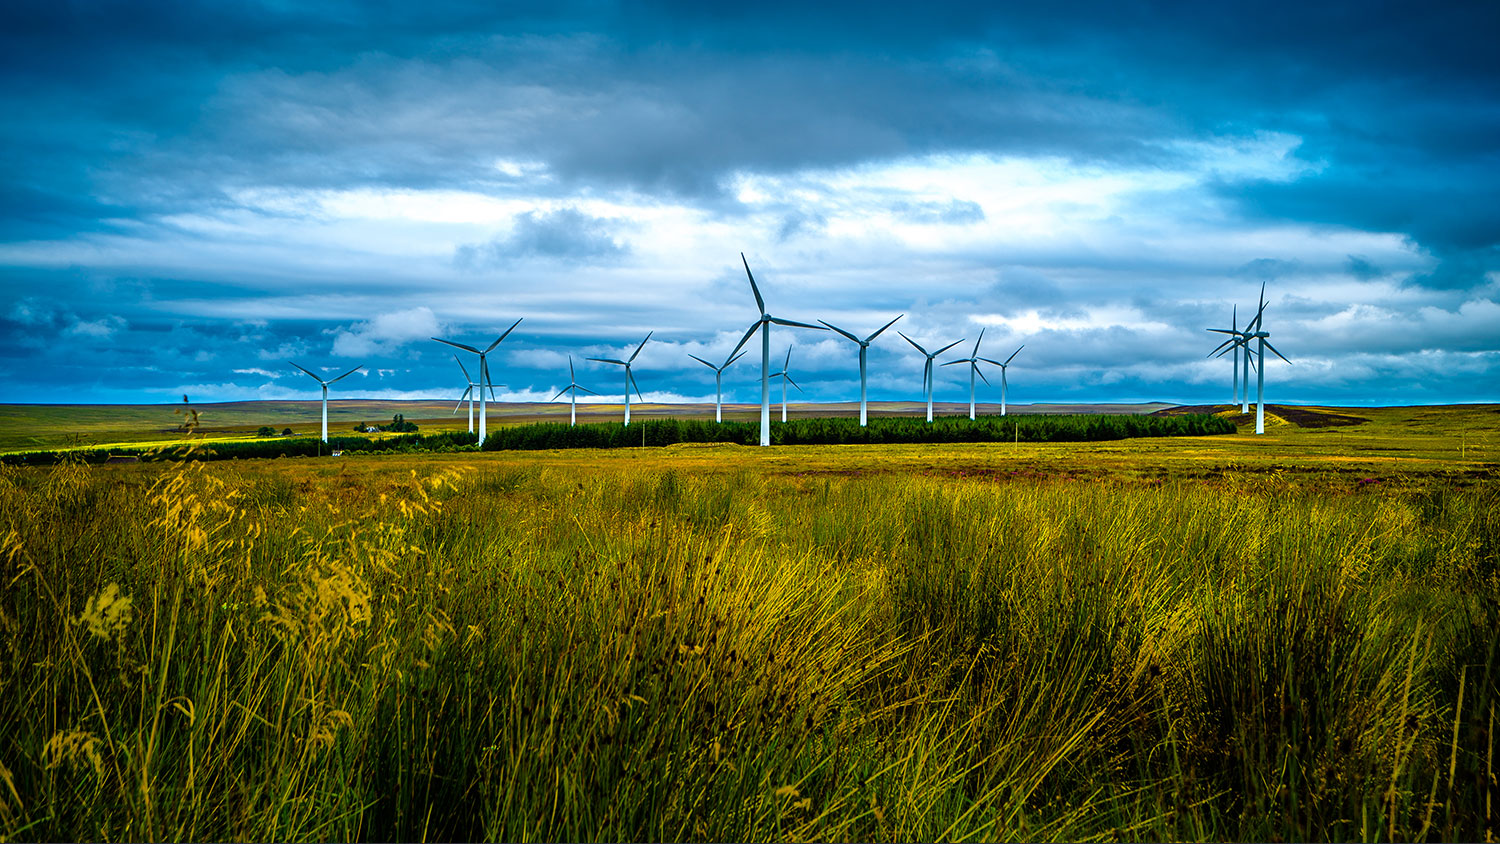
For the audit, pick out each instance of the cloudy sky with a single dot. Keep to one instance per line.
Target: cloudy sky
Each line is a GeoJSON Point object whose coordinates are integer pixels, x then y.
{"type": "Point", "coordinates": [194, 193]}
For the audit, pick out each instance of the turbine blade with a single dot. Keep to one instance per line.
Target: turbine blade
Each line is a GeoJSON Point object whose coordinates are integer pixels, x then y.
{"type": "Point", "coordinates": [981, 375]}
{"type": "Point", "coordinates": [314, 377]}
{"type": "Point", "coordinates": [609, 360]}
{"type": "Point", "coordinates": [585, 389]}
{"type": "Point", "coordinates": [560, 393]}
{"type": "Point", "coordinates": [464, 368]}
{"type": "Point", "coordinates": [788, 364]}
{"type": "Point", "coordinates": [839, 330]}
{"type": "Point", "coordinates": [641, 346]}
{"type": "Point", "coordinates": [995, 362]}
{"type": "Point", "coordinates": [946, 348]}
{"type": "Point", "coordinates": [347, 374]}
{"type": "Point", "coordinates": [883, 328]}
{"type": "Point", "coordinates": [629, 376]}
{"type": "Point", "coordinates": [1016, 352]}
{"type": "Point", "coordinates": [503, 336]}
{"type": "Point", "coordinates": [913, 342]}
{"type": "Point", "coordinates": [960, 360]}
{"type": "Point", "coordinates": [731, 360]}
{"type": "Point", "coordinates": [746, 338]}
{"type": "Point", "coordinates": [976, 344]}
{"type": "Point", "coordinates": [457, 345]}
{"type": "Point", "coordinates": [702, 361]}
{"type": "Point", "coordinates": [759, 302]}
{"type": "Point", "coordinates": [790, 381]}
{"type": "Point", "coordinates": [1278, 354]}
{"type": "Point", "coordinates": [1230, 342]}
{"type": "Point", "coordinates": [780, 321]}
{"type": "Point", "coordinates": [485, 376]}
{"type": "Point", "coordinates": [1233, 331]}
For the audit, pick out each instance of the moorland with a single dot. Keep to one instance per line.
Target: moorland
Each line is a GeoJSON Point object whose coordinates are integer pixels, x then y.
{"type": "Point", "coordinates": [1285, 637]}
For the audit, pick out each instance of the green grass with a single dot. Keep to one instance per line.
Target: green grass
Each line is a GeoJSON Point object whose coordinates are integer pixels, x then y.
{"type": "Point", "coordinates": [1146, 640]}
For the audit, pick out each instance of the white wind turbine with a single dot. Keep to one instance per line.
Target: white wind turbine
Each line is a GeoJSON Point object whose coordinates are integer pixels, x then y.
{"type": "Point", "coordinates": [1004, 386]}
{"type": "Point", "coordinates": [484, 372]}
{"type": "Point", "coordinates": [1254, 331]}
{"type": "Point", "coordinates": [325, 391]}
{"type": "Point", "coordinates": [763, 325]}
{"type": "Point", "coordinates": [973, 361]}
{"type": "Point", "coordinates": [927, 369]}
{"type": "Point", "coordinates": [468, 393]}
{"type": "Point", "coordinates": [864, 346]}
{"type": "Point", "coordinates": [1237, 339]}
{"type": "Point", "coordinates": [786, 378]}
{"type": "Point", "coordinates": [573, 387]}
{"type": "Point", "coordinates": [629, 378]}
{"type": "Point", "coordinates": [718, 381]}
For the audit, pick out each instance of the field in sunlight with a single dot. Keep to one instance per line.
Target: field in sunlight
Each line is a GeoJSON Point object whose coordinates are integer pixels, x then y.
{"type": "Point", "coordinates": [1288, 637]}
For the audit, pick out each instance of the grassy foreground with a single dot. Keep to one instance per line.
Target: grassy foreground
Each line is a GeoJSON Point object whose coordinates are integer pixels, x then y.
{"type": "Point", "coordinates": [490, 646]}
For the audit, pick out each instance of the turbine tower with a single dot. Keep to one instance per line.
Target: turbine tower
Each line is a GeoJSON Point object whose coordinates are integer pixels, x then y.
{"type": "Point", "coordinates": [629, 379]}
{"type": "Point", "coordinates": [325, 392]}
{"type": "Point", "coordinates": [573, 387]}
{"type": "Point", "coordinates": [927, 369]}
{"type": "Point", "coordinates": [468, 393]}
{"type": "Point", "coordinates": [484, 372]}
{"type": "Point", "coordinates": [1256, 332]}
{"type": "Point", "coordinates": [786, 378]}
{"type": "Point", "coordinates": [763, 325]}
{"type": "Point", "coordinates": [864, 346]}
{"type": "Point", "coordinates": [973, 361]}
{"type": "Point", "coordinates": [718, 382]}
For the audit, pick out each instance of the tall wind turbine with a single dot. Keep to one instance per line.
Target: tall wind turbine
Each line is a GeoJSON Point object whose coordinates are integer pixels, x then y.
{"type": "Point", "coordinates": [864, 346]}
{"type": "Point", "coordinates": [927, 369]}
{"type": "Point", "coordinates": [573, 387]}
{"type": "Point", "coordinates": [786, 378]}
{"type": "Point", "coordinates": [718, 382]}
{"type": "Point", "coordinates": [1004, 387]}
{"type": "Point", "coordinates": [973, 361]}
{"type": "Point", "coordinates": [629, 379]}
{"type": "Point", "coordinates": [325, 391]}
{"type": "Point", "coordinates": [763, 325]}
{"type": "Point", "coordinates": [468, 393]}
{"type": "Point", "coordinates": [484, 372]}
{"type": "Point", "coordinates": [1256, 332]}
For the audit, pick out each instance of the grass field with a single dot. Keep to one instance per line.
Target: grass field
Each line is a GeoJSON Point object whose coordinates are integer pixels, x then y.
{"type": "Point", "coordinates": [1288, 637]}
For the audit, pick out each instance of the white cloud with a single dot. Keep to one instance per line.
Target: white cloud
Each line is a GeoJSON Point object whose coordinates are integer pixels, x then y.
{"type": "Point", "coordinates": [386, 333]}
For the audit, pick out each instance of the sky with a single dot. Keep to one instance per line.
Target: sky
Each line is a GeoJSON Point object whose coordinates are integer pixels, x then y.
{"type": "Point", "coordinates": [195, 193]}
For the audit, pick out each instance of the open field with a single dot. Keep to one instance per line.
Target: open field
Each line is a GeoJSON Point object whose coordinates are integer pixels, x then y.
{"type": "Point", "coordinates": [1286, 637]}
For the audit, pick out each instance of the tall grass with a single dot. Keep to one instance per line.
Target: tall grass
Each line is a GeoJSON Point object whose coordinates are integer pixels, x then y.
{"type": "Point", "coordinates": [218, 651]}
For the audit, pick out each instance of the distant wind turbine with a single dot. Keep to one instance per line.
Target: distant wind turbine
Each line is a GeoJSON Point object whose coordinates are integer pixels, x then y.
{"type": "Point", "coordinates": [1004, 387]}
{"type": "Point", "coordinates": [864, 346]}
{"type": "Point", "coordinates": [1256, 332]}
{"type": "Point", "coordinates": [763, 325]}
{"type": "Point", "coordinates": [1237, 339]}
{"type": "Point", "coordinates": [927, 369]}
{"type": "Point", "coordinates": [786, 378]}
{"type": "Point", "coordinates": [573, 387]}
{"type": "Point", "coordinates": [629, 378]}
{"type": "Point", "coordinates": [325, 391]}
{"type": "Point", "coordinates": [718, 381]}
{"type": "Point", "coordinates": [484, 372]}
{"type": "Point", "coordinates": [973, 361]}
{"type": "Point", "coordinates": [468, 392]}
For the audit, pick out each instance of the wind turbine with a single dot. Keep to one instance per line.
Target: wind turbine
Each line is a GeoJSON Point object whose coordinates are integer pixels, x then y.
{"type": "Point", "coordinates": [484, 372]}
{"type": "Point", "coordinates": [1004, 387]}
{"type": "Point", "coordinates": [325, 391]}
{"type": "Point", "coordinates": [973, 361]}
{"type": "Point", "coordinates": [629, 379]}
{"type": "Point", "coordinates": [763, 325]}
{"type": "Point", "coordinates": [468, 393]}
{"type": "Point", "coordinates": [927, 369]}
{"type": "Point", "coordinates": [786, 378]}
{"type": "Point", "coordinates": [574, 387]}
{"type": "Point", "coordinates": [1254, 331]}
{"type": "Point", "coordinates": [718, 382]}
{"type": "Point", "coordinates": [864, 346]}
{"type": "Point", "coordinates": [1237, 339]}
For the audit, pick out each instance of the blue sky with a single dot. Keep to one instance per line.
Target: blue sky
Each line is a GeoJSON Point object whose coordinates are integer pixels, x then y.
{"type": "Point", "coordinates": [194, 193]}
